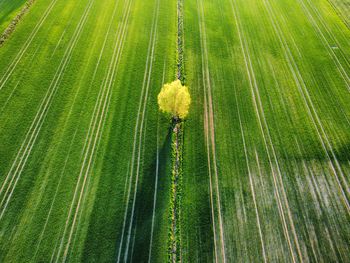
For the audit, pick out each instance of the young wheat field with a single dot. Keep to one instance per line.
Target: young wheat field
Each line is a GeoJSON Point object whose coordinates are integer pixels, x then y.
{"type": "Point", "coordinates": [92, 171]}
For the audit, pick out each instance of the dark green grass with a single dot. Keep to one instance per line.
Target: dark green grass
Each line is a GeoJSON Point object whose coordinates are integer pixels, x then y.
{"type": "Point", "coordinates": [197, 237]}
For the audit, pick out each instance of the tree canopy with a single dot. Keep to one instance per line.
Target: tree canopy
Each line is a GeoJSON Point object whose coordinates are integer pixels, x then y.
{"type": "Point", "coordinates": [174, 98]}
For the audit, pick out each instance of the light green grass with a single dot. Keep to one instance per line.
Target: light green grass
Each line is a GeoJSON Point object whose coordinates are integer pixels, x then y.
{"type": "Point", "coordinates": [50, 176]}
{"type": "Point", "coordinates": [266, 144]}
{"type": "Point", "coordinates": [8, 11]}
{"type": "Point", "coordinates": [343, 8]}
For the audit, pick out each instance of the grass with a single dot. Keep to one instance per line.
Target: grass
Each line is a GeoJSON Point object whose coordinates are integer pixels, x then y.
{"type": "Point", "coordinates": [266, 145]}
{"type": "Point", "coordinates": [8, 11]}
{"type": "Point", "coordinates": [276, 182]}
{"type": "Point", "coordinates": [61, 66]}
{"type": "Point", "coordinates": [343, 8]}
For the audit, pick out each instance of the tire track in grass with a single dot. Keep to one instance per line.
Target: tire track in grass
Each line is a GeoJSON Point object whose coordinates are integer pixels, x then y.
{"type": "Point", "coordinates": [318, 196]}
{"type": "Point", "coordinates": [328, 30]}
{"type": "Point", "coordinates": [33, 56]}
{"type": "Point", "coordinates": [209, 131]}
{"type": "Point", "coordinates": [266, 138]}
{"type": "Point", "coordinates": [88, 186]}
{"type": "Point", "coordinates": [68, 116]}
{"type": "Point", "coordinates": [342, 9]}
{"type": "Point", "coordinates": [24, 152]}
{"type": "Point", "coordinates": [139, 126]}
{"type": "Point", "coordinates": [88, 182]}
{"type": "Point", "coordinates": [302, 88]}
{"type": "Point", "coordinates": [154, 197]}
{"type": "Point", "coordinates": [92, 80]}
{"type": "Point", "coordinates": [206, 128]}
{"type": "Point", "coordinates": [9, 97]}
{"type": "Point", "coordinates": [54, 197]}
{"type": "Point", "coordinates": [319, 202]}
{"type": "Point", "coordinates": [327, 45]}
{"type": "Point", "coordinates": [27, 133]}
{"type": "Point", "coordinates": [94, 135]}
{"type": "Point", "coordinates": [325, 198]}
{"type": "Point", "coordinates": [250, 180]}
{"type": "Point", "coordinates": [25, 46]}
{"type": "Point", "coordinates": [18, 82]}
{"type": "Point", "coordinates": [155, 182]}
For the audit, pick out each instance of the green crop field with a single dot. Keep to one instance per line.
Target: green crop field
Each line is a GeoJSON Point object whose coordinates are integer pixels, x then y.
{"type": "Point", "coordinates": [343, 8]}
{"type": "Point", "coordinates": [8, 10]}
{"type": "Point", "coordinates": [87, 158]}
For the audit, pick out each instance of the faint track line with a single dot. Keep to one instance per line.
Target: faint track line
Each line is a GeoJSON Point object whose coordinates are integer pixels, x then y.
{"type": "Point", "coordinates": [67, 158]}
{"type": "Point", "coordinates": [326, 44]}
{"type": "Point", "coordinates": [302, 88]}
{"type": "Point", "coordinates": [24, 48]}
{"type": "Point", "coordinates": [54, 197]}
{"type": "Point", "coordinates": [209, 129]}
{"type": "Point", "coordinates": [139, 127]}
{"type": "Point", "coordinates": [93, 138]}
{"type": "Point", "coordinates": [155, 183]}
{"type": "Point", "coordinates": [34, 130]}
{"type": "Point", "coordinates": [266, 138]}
{"type": "Point", "coordinates": [250, 180]}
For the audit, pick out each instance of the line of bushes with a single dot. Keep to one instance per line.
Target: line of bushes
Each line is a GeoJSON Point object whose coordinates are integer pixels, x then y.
{"type": "Point", "coordinates": [179, 54]}
{"type": "Point", "coordinates": [174, 236]}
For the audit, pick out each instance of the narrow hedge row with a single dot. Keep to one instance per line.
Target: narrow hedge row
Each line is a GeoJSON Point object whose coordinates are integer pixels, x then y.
{"type": "Point", "coordinates": [12, 26]}
{"type": "Point", "coordinates": [179, 54]}
{"type": "Point", "coordinates": [174, 237]}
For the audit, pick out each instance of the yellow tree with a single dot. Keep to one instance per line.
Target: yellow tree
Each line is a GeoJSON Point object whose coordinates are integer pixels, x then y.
{"type": "Point", "coordinates": [174, 98]}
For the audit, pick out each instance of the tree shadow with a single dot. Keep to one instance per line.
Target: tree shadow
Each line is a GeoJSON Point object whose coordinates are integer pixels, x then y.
{"type": "Point", "coordinates": [140, 246]}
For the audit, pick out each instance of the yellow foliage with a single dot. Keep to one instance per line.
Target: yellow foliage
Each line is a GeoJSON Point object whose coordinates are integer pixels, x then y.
{"type": "Point", "coordinates": [174, 99]}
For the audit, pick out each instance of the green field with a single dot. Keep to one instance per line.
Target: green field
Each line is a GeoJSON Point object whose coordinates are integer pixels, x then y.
{"type": "Point", "coordinates": [8, 10]}
{"type": "Point", "coordinates": [343, 8]}
{"type": "Point", "coordinates": [85, 155]}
